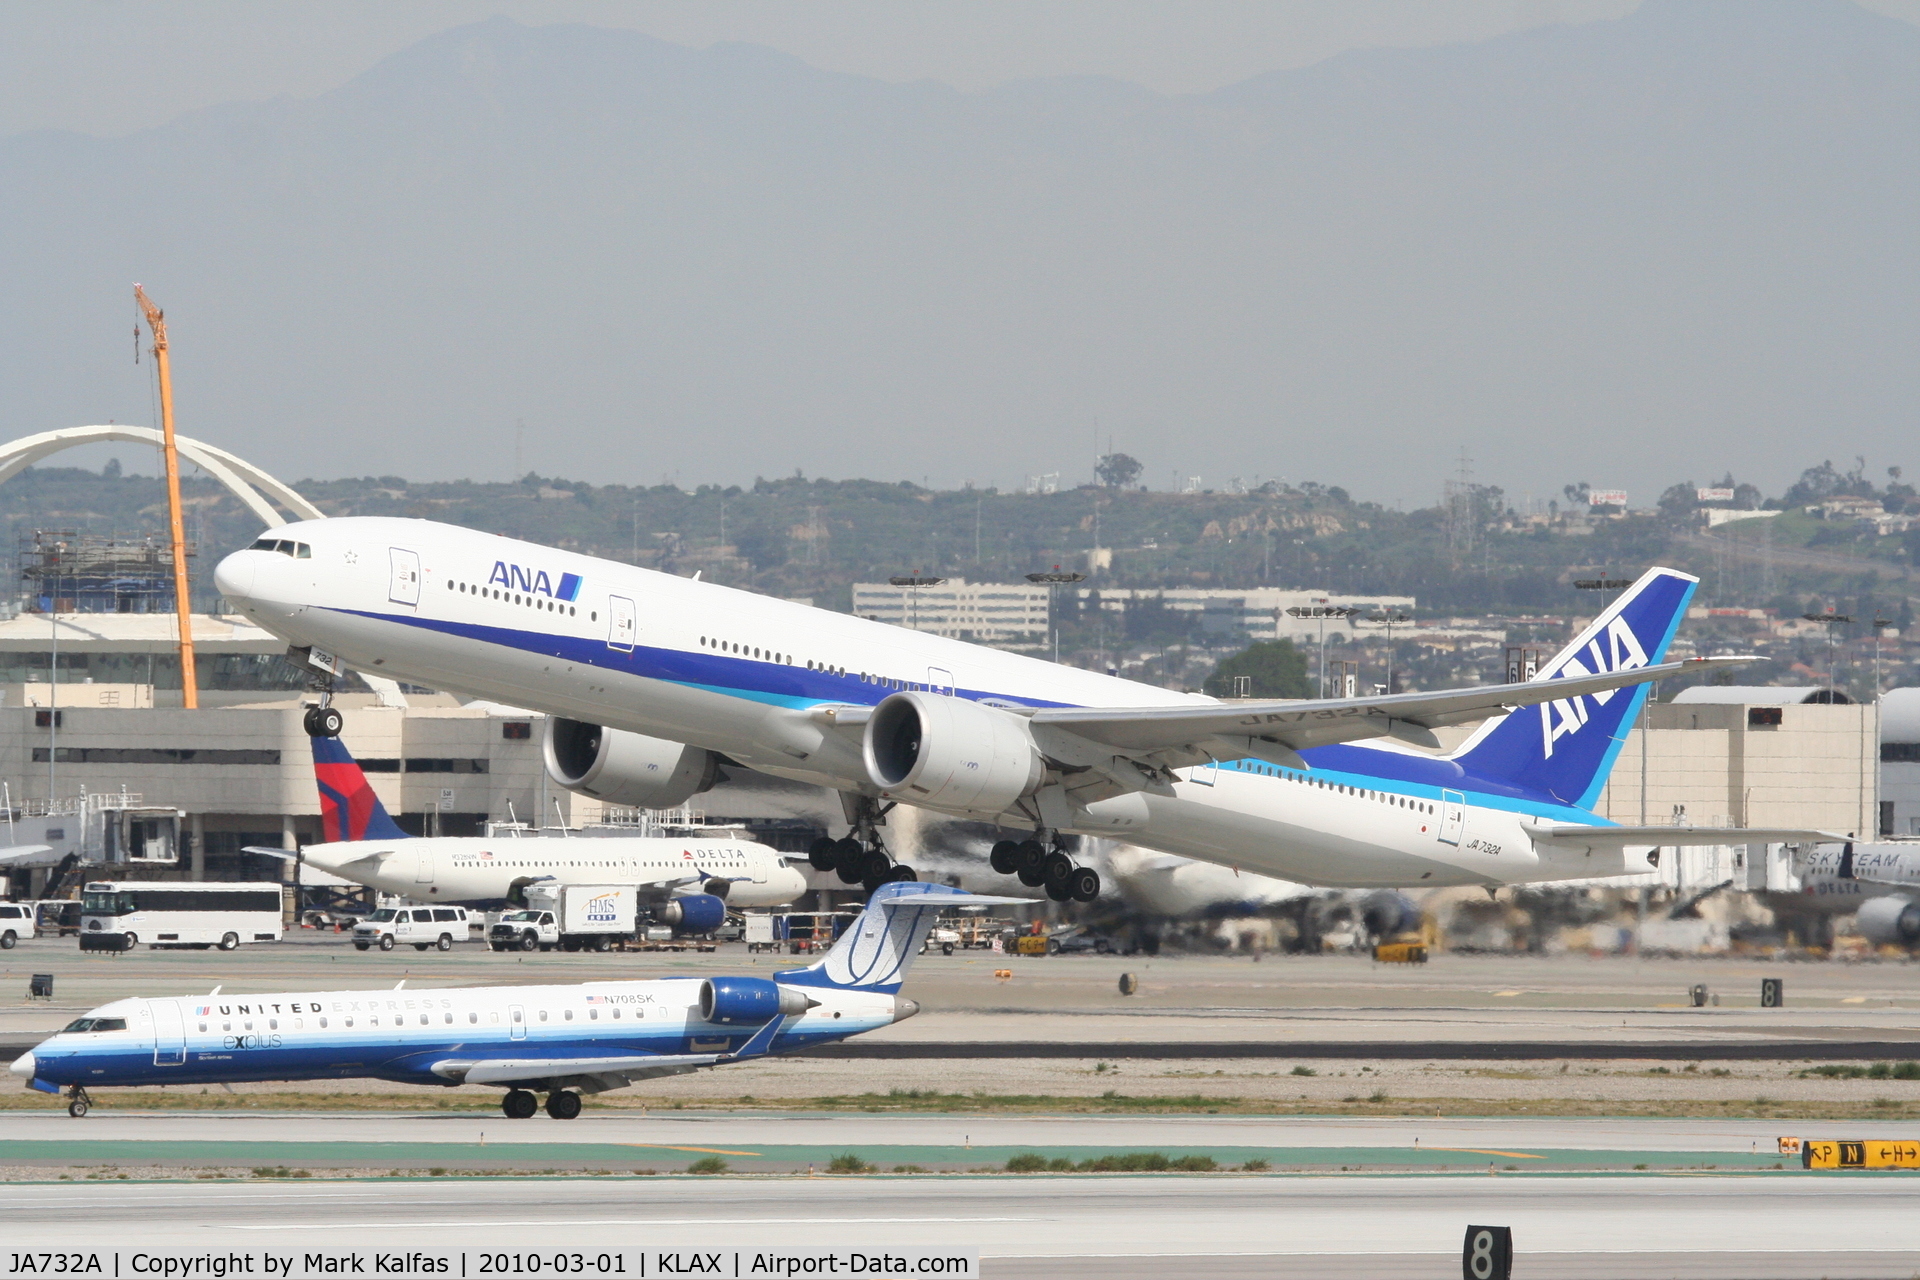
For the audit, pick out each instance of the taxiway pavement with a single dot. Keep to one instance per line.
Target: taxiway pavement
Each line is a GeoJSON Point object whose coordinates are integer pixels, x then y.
{"type": "Point", "coordinates": [1755, 1226]}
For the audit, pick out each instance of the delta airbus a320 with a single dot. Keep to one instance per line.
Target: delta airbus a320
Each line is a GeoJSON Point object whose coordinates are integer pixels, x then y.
{"type": "Point", "coordinates": [651, 682]}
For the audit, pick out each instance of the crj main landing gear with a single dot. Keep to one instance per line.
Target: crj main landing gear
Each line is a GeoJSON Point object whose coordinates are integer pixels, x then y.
{"type": "Point", "coordinates": [520, 1104]}
{"type": "Point", "coordinates": [860, 858]}
{"type": "Point", "coordinates": [1038, 867]}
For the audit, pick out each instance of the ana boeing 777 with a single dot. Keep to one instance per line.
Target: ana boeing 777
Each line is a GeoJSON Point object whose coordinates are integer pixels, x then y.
{"type": "Point", "coordinates": [651, 682]}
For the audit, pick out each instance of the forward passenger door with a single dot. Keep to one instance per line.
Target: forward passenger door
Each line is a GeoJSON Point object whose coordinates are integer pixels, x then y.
{"type": "Point", "coordinates": [403, 576]}
{"type": "Point", "coordinates": [621, 623]}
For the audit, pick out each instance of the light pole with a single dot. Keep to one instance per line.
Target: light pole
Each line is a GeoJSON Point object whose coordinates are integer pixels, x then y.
{"type": "Point", "coordinates": [1052, 580]}
{"type": "Point", "coordinates": [1320, 613]}
{"type": "Point", "coordinates": [1831, 620]}
{"type": "Point", "coordinates": [1387, 620]}
{"type": "Point", "coordinates": [913, 582]}
{"type": "Point", "coordinates": [1879, 630]}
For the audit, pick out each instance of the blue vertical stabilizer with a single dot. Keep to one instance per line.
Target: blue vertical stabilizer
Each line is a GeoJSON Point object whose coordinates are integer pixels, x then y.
{"type": "Point", "coordinates": [1564, 749]}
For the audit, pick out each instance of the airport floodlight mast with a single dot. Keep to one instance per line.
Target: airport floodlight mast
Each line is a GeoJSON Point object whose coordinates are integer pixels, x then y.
{"type": "Point", "coordinates": [1320, 613]}
{"type": "Point", "coordinates": [183, 600]}
{"type": "Point", "coordinates": [1387, 620]}
{"type": "Point", "coordinates": [913, 582]}
{"type": "Point", "coordinates": [1052, 580]}
{"type": "Point", "coordinates": [1830, 620]}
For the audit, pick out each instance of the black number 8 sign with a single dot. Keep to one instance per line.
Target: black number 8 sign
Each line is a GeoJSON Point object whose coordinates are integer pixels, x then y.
{"type": "Point", "coordinates": [1488, 1254]}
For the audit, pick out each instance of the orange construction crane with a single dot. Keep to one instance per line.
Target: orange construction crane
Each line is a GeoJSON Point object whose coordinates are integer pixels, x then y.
{"type": "Point", "coordinates": [182, 599]}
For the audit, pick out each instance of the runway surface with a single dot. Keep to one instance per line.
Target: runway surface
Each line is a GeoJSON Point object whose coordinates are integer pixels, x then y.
{"type": "Point", "coordinates": [44, 1144]}
{"type": "Point", "coordinates": [1783, 1225]}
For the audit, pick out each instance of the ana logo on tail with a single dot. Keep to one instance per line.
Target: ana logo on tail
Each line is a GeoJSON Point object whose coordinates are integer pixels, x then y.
{"type": "Point", "coordinates": [1616, 650]}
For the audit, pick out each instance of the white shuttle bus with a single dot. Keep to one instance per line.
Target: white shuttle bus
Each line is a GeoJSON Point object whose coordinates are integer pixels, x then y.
{"type": "Point", "coordinates": [119, 915]}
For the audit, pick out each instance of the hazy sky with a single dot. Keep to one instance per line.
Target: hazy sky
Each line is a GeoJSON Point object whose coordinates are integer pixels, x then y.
{"type": "Point", "coordinates": [111, 66]}
{"type": "Point", "coordinates": [1414, 338]}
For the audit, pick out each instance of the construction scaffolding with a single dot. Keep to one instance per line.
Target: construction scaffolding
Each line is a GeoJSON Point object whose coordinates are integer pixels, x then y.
{"type": "Point", "coordinates": [71, 572]}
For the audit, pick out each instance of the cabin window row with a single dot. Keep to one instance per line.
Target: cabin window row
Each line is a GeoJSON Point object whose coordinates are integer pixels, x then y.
{"type": "Point", "coordinates": [372, 1020]}
{"type": "Point", "coordinates": [1381, 797]}
{"type": "Point", "coordinates": [746, 650]}
{"type": "Point", "coordinates": [514, 597]}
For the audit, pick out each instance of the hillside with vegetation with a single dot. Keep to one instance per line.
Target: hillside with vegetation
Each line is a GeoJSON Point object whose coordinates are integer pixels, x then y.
{"type": "Point", "coordinates": [1836, 539]}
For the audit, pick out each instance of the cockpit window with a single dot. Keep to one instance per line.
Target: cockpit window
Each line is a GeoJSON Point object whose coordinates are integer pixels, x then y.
{"type": "Point", "coordinates": [96, 1024]}
{"type": "Point", "coordinates": [285, 546]}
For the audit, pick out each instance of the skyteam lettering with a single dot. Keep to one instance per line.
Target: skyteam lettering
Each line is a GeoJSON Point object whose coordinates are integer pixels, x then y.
{"type": "Point", "coordinates": [1617, 650]}
{"type": "Point", "coordinates": [533, 582]}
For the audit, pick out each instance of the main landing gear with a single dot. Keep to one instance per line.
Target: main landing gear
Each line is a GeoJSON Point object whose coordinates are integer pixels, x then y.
{"type": "Point", "coordinates": [1037, 866]}
{"type": "Point", "coordinates": [520, 1104]}
{"type": "Point", "coordinates": [860, 858]}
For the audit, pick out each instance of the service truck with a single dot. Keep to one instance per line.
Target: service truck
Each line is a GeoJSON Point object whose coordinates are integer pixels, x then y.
{"type": "Point", "coordinates": [572, 917]}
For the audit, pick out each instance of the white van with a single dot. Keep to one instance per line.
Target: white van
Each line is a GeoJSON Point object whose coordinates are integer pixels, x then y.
{"type": "Point", "coordinates": [419, 927]}
{"type": "Point", "coordinates": [16, 922]}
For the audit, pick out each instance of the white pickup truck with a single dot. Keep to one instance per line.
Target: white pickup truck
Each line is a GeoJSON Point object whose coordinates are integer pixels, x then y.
{"type": "Point", "coordinates": [572, 917]}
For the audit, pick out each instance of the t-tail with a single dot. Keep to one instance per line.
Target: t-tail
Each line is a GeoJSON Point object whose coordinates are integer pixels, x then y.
{"type": "Point", "coordinates": [877, 949]}
{"type": "Point", "coordinates": [349, 810]}
{"type": "Point", "coordinates": [1564, 750]}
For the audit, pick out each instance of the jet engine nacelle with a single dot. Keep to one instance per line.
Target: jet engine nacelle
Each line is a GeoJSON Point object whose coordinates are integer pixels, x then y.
{"type": "Point", "coordinates": [693, 913]}
{"type": "Point", "coordinates": [625, 768]}
{"type": "Point", "coordinates": [1891, 920]}
{"type": "Point", "coordinates": [750, 1000]}
{"type": "Point", "coordinates": [951, 753]}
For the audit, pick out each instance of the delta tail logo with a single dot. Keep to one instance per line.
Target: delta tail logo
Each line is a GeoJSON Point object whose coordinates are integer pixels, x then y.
{"type": "Point", "coordinates": [533, 582]}
{"type": "Point", "coordinates": [1616, 650]}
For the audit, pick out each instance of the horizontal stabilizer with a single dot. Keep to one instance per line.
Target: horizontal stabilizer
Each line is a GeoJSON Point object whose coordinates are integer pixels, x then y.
{"type": "Point", "coordinates": [1678, 835]}
{"type": "Point", "coordinates": [949, 900]}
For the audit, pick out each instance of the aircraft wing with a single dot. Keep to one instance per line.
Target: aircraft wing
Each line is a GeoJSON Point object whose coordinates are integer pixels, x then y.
{"type": "Point", "coordinates": [627, 1068]}
{"type": "Point", "coordinates": [1275, 730]}
{"type": "Point", "coordinates": [21, 852]}
{"type": "Point", "coordinates": [1678, 835]}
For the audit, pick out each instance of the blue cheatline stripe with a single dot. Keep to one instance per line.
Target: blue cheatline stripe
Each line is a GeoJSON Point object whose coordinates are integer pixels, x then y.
{"type": "Point", "coordinates": [1528, 806]}
{"type": "Point", "coordinates": [795, 687]}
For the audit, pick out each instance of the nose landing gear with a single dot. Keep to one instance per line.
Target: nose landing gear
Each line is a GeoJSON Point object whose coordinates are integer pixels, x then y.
{"type": "Point", "coordinates": [78, 1103]}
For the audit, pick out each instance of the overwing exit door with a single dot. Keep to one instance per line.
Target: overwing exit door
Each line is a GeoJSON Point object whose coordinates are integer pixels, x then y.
{"type": "Point", "coordinates": [403, 581]}
{"type": "Point", "coordinates": [1453, 816]}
